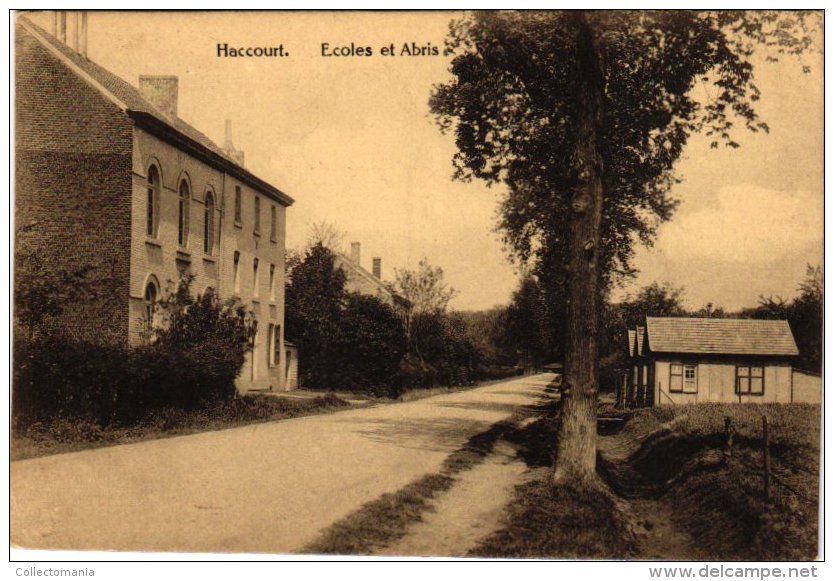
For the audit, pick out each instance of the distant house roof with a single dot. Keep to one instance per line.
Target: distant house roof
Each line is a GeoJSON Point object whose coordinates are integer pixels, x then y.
{"type": "Point", "coordinates": [357, 271]}
{"type": "Point", "coordinates": [631, 336]}
{"type": "Point", "coordinates": [720, 336]}
{"type": "Point", "coordinates": [130, 99]}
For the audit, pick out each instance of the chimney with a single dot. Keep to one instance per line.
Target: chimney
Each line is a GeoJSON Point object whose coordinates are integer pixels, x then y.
{"type": "Point", "coordinates": [354, 252]}
{"type": "Point", "coordinates": [82, 46]}
{"type": "Point", "coordinates": [161, 91]}
{"type": "Point", "coordinates": [229, 148]}
{"type": "Point", "coordinates": [378, 267]}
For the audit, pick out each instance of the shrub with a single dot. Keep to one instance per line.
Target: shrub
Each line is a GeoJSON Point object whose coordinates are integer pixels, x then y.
{"type": "Point", "coordinates": [193, 360]}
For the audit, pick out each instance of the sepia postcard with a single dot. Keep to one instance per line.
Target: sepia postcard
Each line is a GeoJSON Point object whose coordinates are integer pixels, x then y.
{"type": "Point", "coordinates": [456, 284]}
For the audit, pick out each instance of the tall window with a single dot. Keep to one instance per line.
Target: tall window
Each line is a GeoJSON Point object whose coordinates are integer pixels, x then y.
{"type": "Point", "coordinates": [749, 380]}
{"type": "Point", "coordinates": [255, 278]}
{"type": "Point", "coordinates": [151, 295]}
{"type": "Point", "coordinates": [273, 226]}
{"type": "Point", "coordinates": [683, 378]}
{"type": "Point", "coordinates": [220, 217]}
{"type": "Point", "coordinates": [238, 205]}
{"type": "Point", "coordinates": [257, 214]}
{"type": "Point", "coordinates": [272, 283]}
{"type": "Point", "coordinates": [185, 200]}
{"type": "Point", "coordinates": [236, 272]}
{"type": "Point", "coordinates": [154, 184]}
{"type": "Point", "coordinates": [208, 225]}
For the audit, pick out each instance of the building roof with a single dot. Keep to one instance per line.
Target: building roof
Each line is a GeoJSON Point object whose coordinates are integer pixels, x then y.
{"type": "Point", "coordinates": [631, 336]}
{"type": "Point", "coordinates": [130, 99]}
{"type": "Point", "coordinates": [720, 336]}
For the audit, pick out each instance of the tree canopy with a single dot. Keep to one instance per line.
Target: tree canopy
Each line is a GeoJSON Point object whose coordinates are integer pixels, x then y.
{"type": "Point", "coordinates": [512, 105]}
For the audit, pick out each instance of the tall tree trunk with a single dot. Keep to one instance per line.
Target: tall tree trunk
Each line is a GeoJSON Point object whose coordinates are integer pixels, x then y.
{"type": "Point", "coordinates": [576, 453]}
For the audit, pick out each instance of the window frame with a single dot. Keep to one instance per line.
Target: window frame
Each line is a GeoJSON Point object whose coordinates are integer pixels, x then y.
{"type": "Point", "coordinates": [209, 235]}
{"type": "Point", "coordinates": [236, 272]}
{"type": "Point", "coordinates": [150, 303]}
{"type": "Point", "coordinates": [256, 264]}
{"type": "Point", "coordinates": [257, 213]}
{"type": "Point", "coordinates": [273, 223]}
{"type": "Point", "coordinates": [154, 190]}
{"type": "Point", "coordinates": [687, 386]}
{"type": "Point", "coordinates": [272, 283]}
{"type": "Point", "coordinates": [238, 206]}
{"type": "Point", "coordinates": [183, 212]}
{"type": "Point", "coordinates": [749, 367]}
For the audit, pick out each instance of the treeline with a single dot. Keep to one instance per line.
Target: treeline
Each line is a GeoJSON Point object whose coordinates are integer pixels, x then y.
{"type": "Point", "coordinates": [354, 342]}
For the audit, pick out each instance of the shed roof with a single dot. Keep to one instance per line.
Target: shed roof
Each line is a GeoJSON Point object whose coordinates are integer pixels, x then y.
{"type": "Point", "coordinates": [720, 336]}
{"type": "Point", "coordinates": [130, 99]}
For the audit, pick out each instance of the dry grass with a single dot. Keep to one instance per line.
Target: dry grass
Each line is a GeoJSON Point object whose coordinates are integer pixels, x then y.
{"type": "Point", "coordinates": [71, 435]}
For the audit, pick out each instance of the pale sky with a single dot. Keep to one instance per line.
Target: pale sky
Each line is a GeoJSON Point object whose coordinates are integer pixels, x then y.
{"type": "Point", "coordinates": [352, 140]}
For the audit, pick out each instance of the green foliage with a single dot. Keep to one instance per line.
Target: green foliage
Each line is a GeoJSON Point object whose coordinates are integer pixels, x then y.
{"type": "Point", "coordinates": [42, 292]}
{"type": "Point", "coordinates": [804, 314]}
{"type": "Point", "coordinates": [511, 103]}
{"type": "Point", "coordinates": [190, 361]}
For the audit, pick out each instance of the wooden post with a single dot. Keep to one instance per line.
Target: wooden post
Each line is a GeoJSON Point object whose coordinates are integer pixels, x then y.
{"type": "Point", "coordinates": [766, 434]}
{"type": "Point", "coordinates": [728, 430]}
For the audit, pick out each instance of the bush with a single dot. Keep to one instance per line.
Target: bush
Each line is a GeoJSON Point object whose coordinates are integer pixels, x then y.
{"type": "Point", "coordinates": [194, 360]}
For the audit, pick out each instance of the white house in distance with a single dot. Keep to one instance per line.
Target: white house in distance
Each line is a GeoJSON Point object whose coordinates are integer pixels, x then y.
{"type": "Point", "coordinates": [690, 360]}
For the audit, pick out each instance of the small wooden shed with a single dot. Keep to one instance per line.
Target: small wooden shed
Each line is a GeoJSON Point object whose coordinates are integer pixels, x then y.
{"type": "Point", "coordinates": [678, 360]}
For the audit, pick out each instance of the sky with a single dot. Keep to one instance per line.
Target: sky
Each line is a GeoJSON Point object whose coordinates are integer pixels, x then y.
{"type": "Point", "coordinates": [351, 139]}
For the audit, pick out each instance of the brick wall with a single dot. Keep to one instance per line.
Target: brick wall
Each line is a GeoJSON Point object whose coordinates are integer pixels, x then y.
{"type": "Point", "coordinates": [73, 186]}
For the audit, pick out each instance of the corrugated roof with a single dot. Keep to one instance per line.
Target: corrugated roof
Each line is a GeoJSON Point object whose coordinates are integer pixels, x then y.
{"type": "Point", "coordinates": [133, 101]}
{"type": "Point", "coordinates": [720, 336]}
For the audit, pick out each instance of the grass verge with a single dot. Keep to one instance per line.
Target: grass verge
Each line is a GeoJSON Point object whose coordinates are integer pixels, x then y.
{"type": "Point", "coordinates": [564, 522]}
{"type": "Point", "coordinates": [678, 457]}
{"type": "Point", "coordinates": [382, 521]}
{"type": "Point", "coordinates": [71, 435]}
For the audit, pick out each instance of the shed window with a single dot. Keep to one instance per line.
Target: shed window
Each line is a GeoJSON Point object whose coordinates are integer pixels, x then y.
{"type": "Point", "coordinates": [683, 378]}
{"type": "Point", "coordinates": [749, 380]}
{"type": "Point", "coordinates": [153, 202]}
{"type": "Point", "coordinates": [185, 200]}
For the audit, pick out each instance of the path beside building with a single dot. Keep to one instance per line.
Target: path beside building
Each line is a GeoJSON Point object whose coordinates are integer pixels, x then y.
{"type": "Point", "coordinates": [261, 488]}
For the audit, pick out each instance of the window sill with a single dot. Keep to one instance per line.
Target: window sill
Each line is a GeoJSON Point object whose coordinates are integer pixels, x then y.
{"type": "Point", "coordinates": [209, 258]}
{"type": "Point", "coordinates": [256, 233]}
{"type": "Point", "coordinates": [256, 300]}
{"type": "Point", "coordinates": [273, 240]}
{"type": "Point", "coordinates": [153, 242]}
{"type": "Point", "coordinates": [183, 255]}
{"type": "Point", "coordinates": [238, 224]}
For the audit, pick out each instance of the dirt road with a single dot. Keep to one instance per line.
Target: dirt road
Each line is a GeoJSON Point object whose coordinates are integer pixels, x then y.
{"type": "Point", "coordinates": [261, 488]}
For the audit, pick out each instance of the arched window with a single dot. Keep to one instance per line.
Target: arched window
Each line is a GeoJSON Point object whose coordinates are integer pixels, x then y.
{"type": "Point", "coordinates": [151, 296]}
{"type": "Point", "coordinates": [185, 199]}
{"type": "Point", "coordinates": [154, 186]}
{"type": "Point", "coordinates": [208, 225]}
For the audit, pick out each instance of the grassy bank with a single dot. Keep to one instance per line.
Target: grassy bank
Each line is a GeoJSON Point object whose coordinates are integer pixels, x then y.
{"type": "Point", "coordinates": [679, 456]}
{"type": "Point", "coordinates": [70, 435]}
{"type": "Point", "coordinates": [546, 522]}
